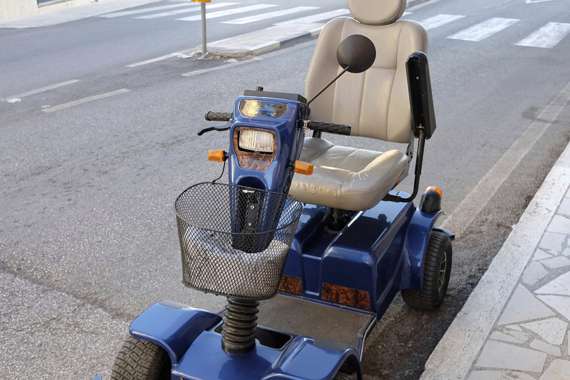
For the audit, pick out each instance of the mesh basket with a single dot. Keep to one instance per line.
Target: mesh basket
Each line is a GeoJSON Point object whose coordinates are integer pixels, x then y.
{"type": "Point", "coordinates": [233, 239]}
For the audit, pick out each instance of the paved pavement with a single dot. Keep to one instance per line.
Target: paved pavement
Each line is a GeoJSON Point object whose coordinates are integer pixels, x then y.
{"type": "Point", "coordinates": [515, 324]}
{"type": "Point", "coordinates": [95, 150]}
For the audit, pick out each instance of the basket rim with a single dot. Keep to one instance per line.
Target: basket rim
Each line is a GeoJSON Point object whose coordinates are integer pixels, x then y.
{"type": "Point", "coordinates": [294, 202]}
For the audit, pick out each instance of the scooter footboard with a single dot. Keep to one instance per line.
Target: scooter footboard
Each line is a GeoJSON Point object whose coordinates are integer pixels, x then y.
{"type": "Point", "coordinates": [329, 326]}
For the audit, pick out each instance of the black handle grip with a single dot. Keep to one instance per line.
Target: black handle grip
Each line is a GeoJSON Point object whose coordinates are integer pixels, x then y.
{"type": "Point", "coordinates": [218, 116]}
{"type": "Point", "coordinates": [338, 129]}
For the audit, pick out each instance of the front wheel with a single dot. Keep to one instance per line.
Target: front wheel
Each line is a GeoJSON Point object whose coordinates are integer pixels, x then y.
{"type": "Point", "coordinates": [140, 360]}
{"type": "Point", "coordinates": [437, 271]}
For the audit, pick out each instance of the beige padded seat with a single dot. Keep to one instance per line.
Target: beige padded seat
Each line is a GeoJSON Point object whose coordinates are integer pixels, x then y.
{"type": "Point", "coordinates": [374, 103]}
{"type": "Point", "coordinates": [348, 178]}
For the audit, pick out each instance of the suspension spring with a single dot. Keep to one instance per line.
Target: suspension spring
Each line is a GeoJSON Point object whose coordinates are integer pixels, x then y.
{"type": "Point", "coordinates": [240, 322]}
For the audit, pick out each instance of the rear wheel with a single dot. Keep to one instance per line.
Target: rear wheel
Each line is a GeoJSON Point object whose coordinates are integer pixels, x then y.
{"type": "Point", "coordinates": [140, 360]}
{"type": "Point", "coordinates": [437, 270]}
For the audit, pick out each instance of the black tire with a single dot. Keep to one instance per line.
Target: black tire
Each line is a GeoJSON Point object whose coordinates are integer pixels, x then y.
{"type": "Point", "coordinates": [140, 360]}
{"type": "Point", "coordinates": [437, 271]}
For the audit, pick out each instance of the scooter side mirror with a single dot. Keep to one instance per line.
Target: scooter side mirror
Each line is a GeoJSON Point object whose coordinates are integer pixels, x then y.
{"type": "Point", "coordinates": [356, 53]}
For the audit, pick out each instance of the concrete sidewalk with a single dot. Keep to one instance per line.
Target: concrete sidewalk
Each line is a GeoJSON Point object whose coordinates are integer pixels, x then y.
{"type": "Point", "coordinates": [515, 324]}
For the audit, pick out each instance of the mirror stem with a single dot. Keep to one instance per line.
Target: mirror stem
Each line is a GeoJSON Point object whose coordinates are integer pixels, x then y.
{"type": "Point", "coordinates": [328, 85]}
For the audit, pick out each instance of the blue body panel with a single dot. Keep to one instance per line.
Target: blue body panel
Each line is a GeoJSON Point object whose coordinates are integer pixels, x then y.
{"type": "Point", "coordinates": [289, 140]}
{"type": "Point", "coordinates": [195, 350]}
{"type": "Point", "coordinates": [172, 327]}
{"type": "Point", "coordinates": [380, 251]}
{"type": "Point", "coordinates": [415, 247]}
{"type": "Point", "coordinates": [206, 360]}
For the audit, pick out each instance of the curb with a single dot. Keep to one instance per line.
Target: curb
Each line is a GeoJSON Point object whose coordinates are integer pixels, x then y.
{"type": "Point", "coordinates": [250, 44]}
{"type": "Point", "coordinates": [456, 352]}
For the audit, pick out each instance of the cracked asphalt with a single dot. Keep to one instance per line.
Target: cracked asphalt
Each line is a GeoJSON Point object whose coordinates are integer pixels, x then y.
{"type": "Point", "coordinates": [69, 336]}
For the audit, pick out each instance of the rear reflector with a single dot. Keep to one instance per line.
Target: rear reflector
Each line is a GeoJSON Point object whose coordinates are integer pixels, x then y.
{"type": "Point", "coordinates": [342, 295]}
{"type": "Point", "coordinates": [291, 285]}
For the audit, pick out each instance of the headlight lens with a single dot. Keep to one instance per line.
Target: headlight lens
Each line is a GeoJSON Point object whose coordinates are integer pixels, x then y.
{"type": "Point", "coordinates": [256, 141]}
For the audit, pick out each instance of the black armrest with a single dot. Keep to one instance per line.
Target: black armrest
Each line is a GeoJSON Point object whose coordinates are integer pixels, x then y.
{"type": "Point", "coordinates": [421, 101]}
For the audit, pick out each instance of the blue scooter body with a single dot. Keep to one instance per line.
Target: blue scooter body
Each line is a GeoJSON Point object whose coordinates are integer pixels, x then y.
{"type": "Point", "coordinates": [359, 268]}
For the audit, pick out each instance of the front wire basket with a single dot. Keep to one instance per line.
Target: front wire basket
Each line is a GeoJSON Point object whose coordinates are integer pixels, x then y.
{"type": "Point", "coordinates": [234, 240]}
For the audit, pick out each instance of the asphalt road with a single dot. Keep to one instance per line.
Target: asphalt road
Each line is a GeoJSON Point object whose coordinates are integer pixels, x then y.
{"type": "Point", "coordinates": [87, 230]}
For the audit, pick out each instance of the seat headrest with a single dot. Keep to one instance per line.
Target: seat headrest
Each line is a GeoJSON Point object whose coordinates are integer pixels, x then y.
{"type": "Point", "coordinates": [377, 12]}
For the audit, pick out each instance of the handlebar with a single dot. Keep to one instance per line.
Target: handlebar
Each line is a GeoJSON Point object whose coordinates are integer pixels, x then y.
{"type": "Point", "coordinates": [218, 116]}
{"type": "Point", "coordinates": [338, 129]}
{"type": "Point", "coordinates": [317, 126]}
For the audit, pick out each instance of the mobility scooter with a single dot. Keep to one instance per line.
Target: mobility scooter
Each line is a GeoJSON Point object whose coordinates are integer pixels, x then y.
{"type": "Point", "coordinates": [309, 241]}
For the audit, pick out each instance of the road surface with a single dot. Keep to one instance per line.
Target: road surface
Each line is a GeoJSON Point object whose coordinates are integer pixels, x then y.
{"type": "Point", "coordinates": [95, 147]}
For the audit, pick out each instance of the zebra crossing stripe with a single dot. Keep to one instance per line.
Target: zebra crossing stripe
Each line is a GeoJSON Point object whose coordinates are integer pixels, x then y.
{"type": "Point", "coordinates": [229, 12]}
{"type": "Point", "coordinates": [439, 20]}
{"type": "Point", "coordinates": [180, 11]}
{"type": "Point", "coordinates": [145, 10]}
{"type": "Point", "coordinates": [546, 37]}
{"type": "Point", "coordinates": [325, 16]}
{"type": "Point", "coordinates": [268, 15]}
{"type": "Point", "coordinates": [484, 30]}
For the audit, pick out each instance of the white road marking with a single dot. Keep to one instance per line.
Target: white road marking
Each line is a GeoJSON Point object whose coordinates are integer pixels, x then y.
{"type": "Point", "coordinates": [221, 67]}
{"type": "Point", "coordinates": [176, 54]}
{"type": "Point", "coordinates": [149, 9]}
{"type": "Point", "coordinates": [88, 99]}
{"type": "Point", "coordinates": [484, 30]}
{"type": "Point", "coordinates": [269, 15]}
{"type": "Point", "coordinates": [229, 12]}
{"type": "Point", "coordinates": [439, 20]}
{"type": "Point", "coordinates": [546, 37]}
{"type": "Point", "coordinates": [17, 98]}
{"type": "Point", "coordinates": [483, 192]}
{"type": "Point", "coordinates": [180, 11]}
{"type": "Point", "coordinates": [325, 16]}
{"type": "Point", "coordinates": [422, 5]}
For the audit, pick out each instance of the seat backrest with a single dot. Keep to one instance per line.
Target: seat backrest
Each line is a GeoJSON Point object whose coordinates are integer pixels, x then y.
{"type": "Point", "coordinates": [375, 103]}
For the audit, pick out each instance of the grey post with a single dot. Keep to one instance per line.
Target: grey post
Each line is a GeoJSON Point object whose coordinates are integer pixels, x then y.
{"type": "Point", "coordinates": [204, 38]}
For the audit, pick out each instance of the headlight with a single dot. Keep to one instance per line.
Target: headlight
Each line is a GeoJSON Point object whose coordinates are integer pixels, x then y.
{"type": "Point", "coordinates": [255, 140]}
{"type": "Point", "coordinates": [253, 108]}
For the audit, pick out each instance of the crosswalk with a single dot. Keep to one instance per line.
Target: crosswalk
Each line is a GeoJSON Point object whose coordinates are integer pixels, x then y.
{"type": "Point", "coordinates": [484, 30]}
{"type": "Point", "coordinates": [312, 17]}
{"type": "Point", "coordinates": [177, 12]}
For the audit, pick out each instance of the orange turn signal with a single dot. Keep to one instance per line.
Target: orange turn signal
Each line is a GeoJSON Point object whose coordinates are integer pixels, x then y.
{"type": "Point", "coordinates": [305, 168]}
{"type": "Point", "coordinates": [217, 155]}
{"type": "Point", "coordinates": [435, 189]}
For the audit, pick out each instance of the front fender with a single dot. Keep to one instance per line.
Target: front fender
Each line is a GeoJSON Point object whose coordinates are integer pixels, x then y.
{"type": "Point", "coordinates": [415, 247]}
{"type": "Point", "coordinates": [172, 327]}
